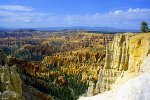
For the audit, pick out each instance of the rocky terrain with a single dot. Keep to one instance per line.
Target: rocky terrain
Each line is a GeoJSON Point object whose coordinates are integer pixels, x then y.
{"type": "Point", "coordinates": [126, 73]}
{"type": "Point", "coordinates": [131, 87]}
{"type": "Point", "coordinates": [55, 65]}
{"type": "Point", "coordinates": [68, 64]}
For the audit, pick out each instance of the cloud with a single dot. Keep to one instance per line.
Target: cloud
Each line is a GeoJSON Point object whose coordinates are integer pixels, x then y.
{"type": "Point", "coordinates": [132, 14]}
{"type": "Point", "coordinates": [21, 14]}
{"type": "Point", "coordinates": [118, 18]}
{"type": "Point", "coordinates": [129, 18]}
{"type": "Point", "coordinates": [5, 13]}
{"type": "Point", "coordinates": [15, 8]}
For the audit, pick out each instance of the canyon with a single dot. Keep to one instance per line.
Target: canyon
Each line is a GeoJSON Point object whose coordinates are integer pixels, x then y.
{"type": "Point", "coordinates": [71, 65]}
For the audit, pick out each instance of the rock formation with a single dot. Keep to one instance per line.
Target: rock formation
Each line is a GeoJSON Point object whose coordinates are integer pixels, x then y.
{"type": "Point", "coordinates": [10, 83]}
{"type": "Point", "coordinates": [127, 56]}
{"type": "Point", "coordinates": [71, 59]}
{"type": "Point", "coordinates": [91, 89]}
{"type": "Point", "coordinates": [124, 54]}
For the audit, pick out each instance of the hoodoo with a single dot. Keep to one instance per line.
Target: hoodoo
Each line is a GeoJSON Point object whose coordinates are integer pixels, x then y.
{"type": "Point", "coordinates": [124, 57]}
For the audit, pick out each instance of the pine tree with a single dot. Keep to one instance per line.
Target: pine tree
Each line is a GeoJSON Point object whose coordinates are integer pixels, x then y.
{"type": "Point", "coordinates": [144, 27]}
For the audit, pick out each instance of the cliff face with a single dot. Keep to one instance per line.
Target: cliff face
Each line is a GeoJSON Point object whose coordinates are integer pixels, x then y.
{"type": "Point", "coordinates": [10, 83]}
{"type": "Point", "coordinates": [124, 55]}
{"type": "Point", "coordinates": [135, 86]}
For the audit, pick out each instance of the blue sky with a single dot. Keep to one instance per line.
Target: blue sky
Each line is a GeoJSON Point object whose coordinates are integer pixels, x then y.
{"type": "Point", "coordinates": [126, 14]}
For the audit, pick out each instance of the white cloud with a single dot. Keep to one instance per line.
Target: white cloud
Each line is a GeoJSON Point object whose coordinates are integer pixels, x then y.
{"type": "Point", "coordinates": [114, 15]}
{"type": "Point", "coordinates": [15, 8]}
{"type": "Point", "coordinates": [117, 12]}
{"type": "Point", "coordinates": [118, 18]}
{"type": "Point", "coordinates": [131, 11]}
{"type": "Point", "coordinates": [5, 13]}
{"type": "Point", "coordinates": [129, 18]}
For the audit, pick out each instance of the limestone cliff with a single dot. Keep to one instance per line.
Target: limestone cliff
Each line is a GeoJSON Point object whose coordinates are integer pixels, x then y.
{"type": "Point", "coordinates": [124, 55]}
{"type": "Point", "coordinates": [10, 83]}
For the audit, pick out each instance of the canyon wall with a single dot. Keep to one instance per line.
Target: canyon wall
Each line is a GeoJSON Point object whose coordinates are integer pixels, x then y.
{"type": "Point", "coordinates": [124, 55]}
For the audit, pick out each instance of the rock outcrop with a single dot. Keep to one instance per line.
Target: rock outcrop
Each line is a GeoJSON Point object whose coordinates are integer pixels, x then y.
{"type": "Point", "coordinates": [124, 55]}
{"type": "Point", "coordinates": [127, 56]}
{"type": "Point", "coordinates": [10, 83]}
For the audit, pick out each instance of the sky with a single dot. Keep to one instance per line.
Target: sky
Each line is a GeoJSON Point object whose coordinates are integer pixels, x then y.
{"type": "Point", "coordinates": [125, 14]}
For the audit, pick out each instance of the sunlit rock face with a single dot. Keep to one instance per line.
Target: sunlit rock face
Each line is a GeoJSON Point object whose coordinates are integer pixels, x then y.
{"type": "Point", "coordinates": [125, 59]}
{"type": "Point", "coordinates": [125, 54]}
{"type": "Point", "coordinates": [116, 61]}
{"type": "Point", "coordinates": [10, 83]}
{"type": "Point", "coordinates": [137, 88]}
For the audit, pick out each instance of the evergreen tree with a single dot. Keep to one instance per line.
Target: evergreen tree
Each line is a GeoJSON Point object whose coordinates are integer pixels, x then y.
{"type": "Point", "coordinates": [144, 27]}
